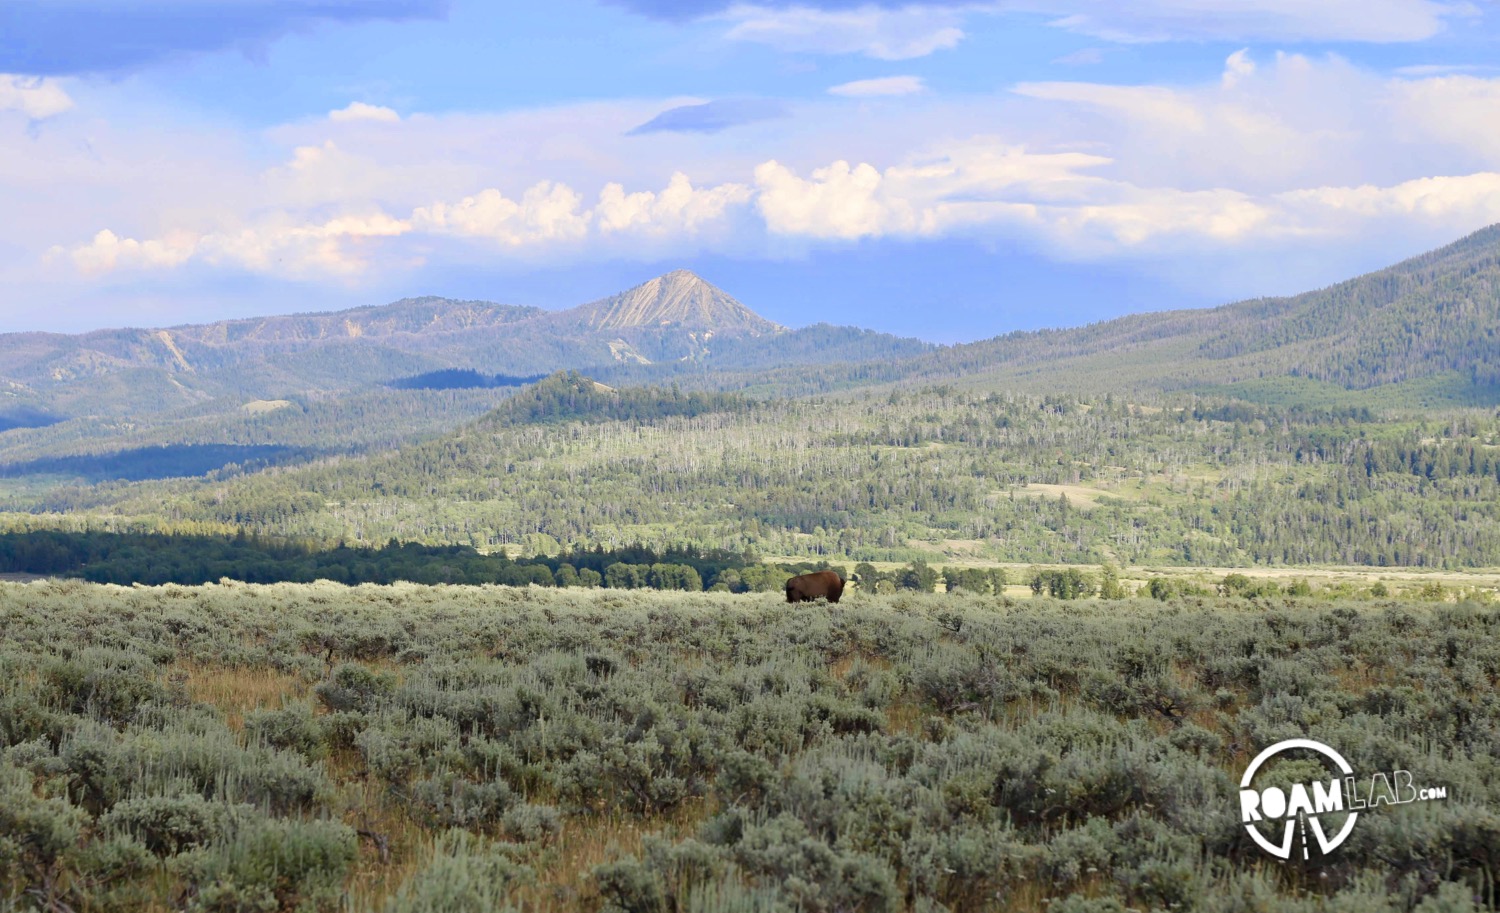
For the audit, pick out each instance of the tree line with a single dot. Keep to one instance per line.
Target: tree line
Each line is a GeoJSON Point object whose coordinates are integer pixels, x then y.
{"type": "Point", "coordinates": [153, 559]}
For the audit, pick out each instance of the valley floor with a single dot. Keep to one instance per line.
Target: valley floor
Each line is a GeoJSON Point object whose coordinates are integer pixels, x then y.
{"type": "Point", "coordinates": [414, 748]}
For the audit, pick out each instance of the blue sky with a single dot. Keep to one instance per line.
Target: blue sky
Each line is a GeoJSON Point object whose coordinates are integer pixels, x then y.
{"type": "Point", "coordinates": [950, 169]}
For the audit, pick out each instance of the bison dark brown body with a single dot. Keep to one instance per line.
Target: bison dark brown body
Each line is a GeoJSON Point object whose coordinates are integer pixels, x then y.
{"type": "Point", "coordinates": [808, 587]}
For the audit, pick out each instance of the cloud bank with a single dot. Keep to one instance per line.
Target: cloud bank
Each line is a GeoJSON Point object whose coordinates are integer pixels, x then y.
{"type": "Point", "coordinates": [1269, 154]}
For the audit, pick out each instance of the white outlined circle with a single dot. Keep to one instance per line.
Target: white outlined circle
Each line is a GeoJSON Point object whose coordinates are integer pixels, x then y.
{"type": "Point", "coordinates": [1284, 850]}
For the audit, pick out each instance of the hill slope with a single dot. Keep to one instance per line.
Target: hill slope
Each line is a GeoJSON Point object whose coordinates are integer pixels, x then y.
{"type": "Point", "coordinates": [1422, 332]}
{"type": "Point", "coordinates": [934, 472]}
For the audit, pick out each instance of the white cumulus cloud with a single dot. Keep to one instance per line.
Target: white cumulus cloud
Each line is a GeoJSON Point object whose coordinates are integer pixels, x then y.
{"type": "Point", "coordinates": [357, 111]}
{"type": "Point", "coordinates": [279, 244]}
{"type": "Point", "coordinates": [1471, 198]}
{"type": "Point", "coordinates": [34, 97]}
{"type": "Point", "coordinates": [838, 201]}
{"type": "Point", "coordinates": [546, 212]}
{"type": "Point", "coordinates": [981, 189]}
{"type": "Point", "coordinates": [107, 251]}
{"type": "Point", "coordinates": [545, 216]}
{"type": "Point", "coordinates": [679, 208]}
{"type": "Point", "coordinates": [338, 247]}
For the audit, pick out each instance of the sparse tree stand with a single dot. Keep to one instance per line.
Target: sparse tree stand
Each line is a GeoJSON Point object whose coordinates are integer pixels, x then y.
{"type": "Point", "coordinates": [979, 581]}
{"type": "Point", "coordinates": [1071, 583]}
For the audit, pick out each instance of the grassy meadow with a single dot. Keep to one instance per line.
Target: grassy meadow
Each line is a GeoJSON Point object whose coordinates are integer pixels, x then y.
{"type": "Point", "coordinates": [238, 747]}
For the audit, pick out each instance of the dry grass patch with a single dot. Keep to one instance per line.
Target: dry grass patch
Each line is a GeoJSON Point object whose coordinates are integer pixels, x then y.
{"type": "Point", "coordinates": [237, 691]}
{"type": "Point", "coordinates": [392, 847]}
{"type": "Point", "coordinates": [1357, 678]}
{"type": "Point", "coordinates": [1079, 496]}
{"type": "Point", "coordinates": [563, 884]}
{"type": "Point", "coordinates": [845, 664]}
{"type": "Point", "coordinates": [906, 718]}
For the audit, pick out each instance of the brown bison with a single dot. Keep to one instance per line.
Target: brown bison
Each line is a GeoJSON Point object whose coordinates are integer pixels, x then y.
{"type": "Point", "coordinates": [808, 587]}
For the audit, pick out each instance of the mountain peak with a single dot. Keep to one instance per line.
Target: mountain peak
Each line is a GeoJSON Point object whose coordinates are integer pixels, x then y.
{"type": "Point", "coordinates": [680, 298]}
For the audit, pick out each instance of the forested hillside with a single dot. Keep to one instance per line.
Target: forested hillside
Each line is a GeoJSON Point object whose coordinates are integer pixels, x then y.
{"type": "Point", "coordinates": [935, 473]}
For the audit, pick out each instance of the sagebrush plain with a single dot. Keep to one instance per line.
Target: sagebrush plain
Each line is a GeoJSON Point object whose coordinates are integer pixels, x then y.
{"type": "Point", "coordinates": [384, 748]}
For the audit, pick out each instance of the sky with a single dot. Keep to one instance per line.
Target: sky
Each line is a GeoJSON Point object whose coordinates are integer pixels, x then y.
{"type": "Point", "coordinates": [947, 169]}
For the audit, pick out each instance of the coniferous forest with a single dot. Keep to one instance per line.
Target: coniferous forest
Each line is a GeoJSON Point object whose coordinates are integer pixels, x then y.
{"type": "Point", "coordinates": [937, 473]}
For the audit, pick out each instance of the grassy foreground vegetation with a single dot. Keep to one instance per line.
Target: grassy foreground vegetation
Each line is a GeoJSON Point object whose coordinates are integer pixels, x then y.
{"type": "Point", "coordinates": [241, 747]}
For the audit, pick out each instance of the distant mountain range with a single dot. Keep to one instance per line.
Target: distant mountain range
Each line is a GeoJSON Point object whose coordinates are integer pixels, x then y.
{"type": "Point", "coordinates": [674, 318]}
{"type": "Point", "coordinates": [1423, 331]}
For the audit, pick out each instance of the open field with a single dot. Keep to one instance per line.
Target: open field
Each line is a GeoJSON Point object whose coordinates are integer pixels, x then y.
{"type": "Point", "coordinates": [1331, 580]}
{"type": "Point", "coordinates": [318, 747]}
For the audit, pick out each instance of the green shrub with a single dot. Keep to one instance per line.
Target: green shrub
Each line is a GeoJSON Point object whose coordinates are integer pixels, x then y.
{"type": "Point", "coordinates": [394, 747]}
{"type": "Point", "coordinates": [466, 875]}
{"type": "Point", "coordinates": [113, 873]}
{"type": "Point", "coordinates": [271, 864]}
{"type": "Point", "coordinates": [24, 718]}
{"type": "Point", "coordinates": [815, 875]}
{"type": "Point", "coordinates": [630, 886]}
{"type": "Point", "coordinates": [35, 833]}
{"type": "Point", "coordinates": [167, 825]}
{"type": "Point", "coordinates": [354, 687]}
{"type": "Point", "coordinates": [530, 823]}
{"type": "Point", "coordinates": [292, 728]}
{"type": "Point", "coordinates": [449, 801]}
{"type": "Point", "coordinates": [106, 684]}
{"type": "Point", "coordinates": [105, 767]}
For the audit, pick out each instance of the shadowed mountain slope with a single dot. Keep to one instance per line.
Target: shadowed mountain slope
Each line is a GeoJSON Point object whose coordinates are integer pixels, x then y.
{"type": "Point", "coordinates": [1429, 324]}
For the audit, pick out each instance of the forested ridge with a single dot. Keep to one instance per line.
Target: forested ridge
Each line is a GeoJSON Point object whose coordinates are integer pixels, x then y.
{"type": "Point", "coordinates": [932, 473]}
